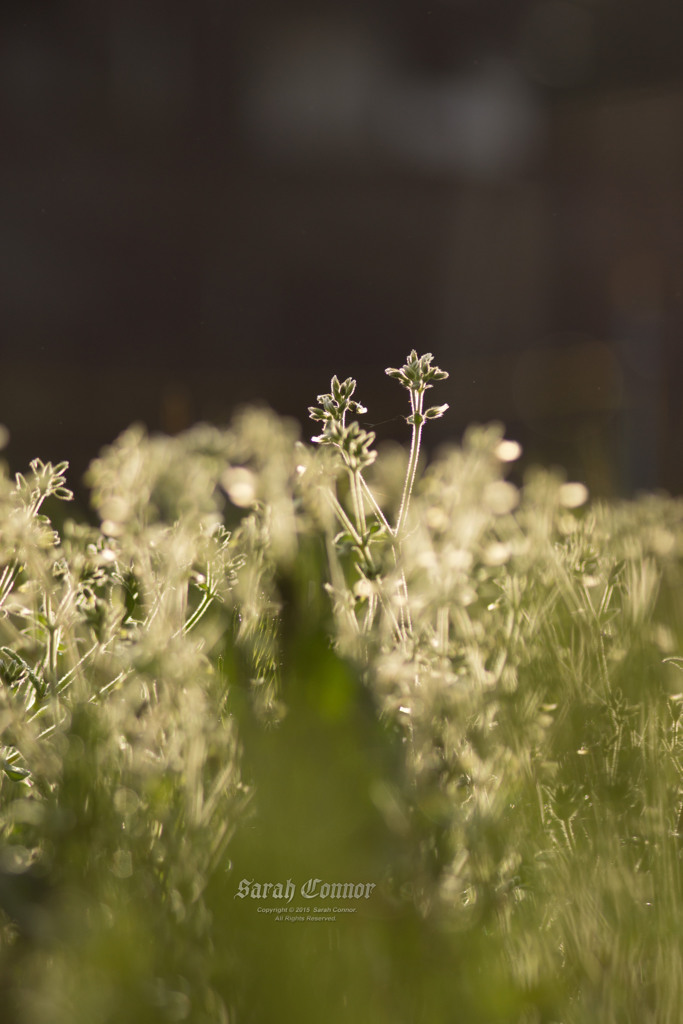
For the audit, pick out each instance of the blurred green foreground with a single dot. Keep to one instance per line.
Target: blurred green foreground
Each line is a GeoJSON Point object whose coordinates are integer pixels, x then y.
{"type": "Point", "coordinates": [209, 688]}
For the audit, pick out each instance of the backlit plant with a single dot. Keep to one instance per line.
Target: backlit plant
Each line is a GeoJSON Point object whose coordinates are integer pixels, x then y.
{"type": "Point", "coordinates": [274, 660]}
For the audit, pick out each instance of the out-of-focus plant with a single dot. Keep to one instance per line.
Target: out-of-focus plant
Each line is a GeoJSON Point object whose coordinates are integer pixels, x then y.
{"type": "Point", "coordinates": [272, 660]}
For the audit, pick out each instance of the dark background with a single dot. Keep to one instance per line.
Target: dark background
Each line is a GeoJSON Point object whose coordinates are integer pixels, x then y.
{"type": "Point", "coordinates": [206, 203]}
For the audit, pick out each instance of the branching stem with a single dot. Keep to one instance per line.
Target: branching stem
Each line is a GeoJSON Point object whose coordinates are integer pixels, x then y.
{"type": "Point", "coordinates": [416, 402]}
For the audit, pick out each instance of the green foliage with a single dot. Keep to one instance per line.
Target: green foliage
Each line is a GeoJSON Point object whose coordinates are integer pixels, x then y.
{"type": "Point", "coordinates": [273, 661]}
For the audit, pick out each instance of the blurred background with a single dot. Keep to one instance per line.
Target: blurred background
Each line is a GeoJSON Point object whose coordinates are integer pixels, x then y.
{"type": "Point", "coordinates": [209, 203]}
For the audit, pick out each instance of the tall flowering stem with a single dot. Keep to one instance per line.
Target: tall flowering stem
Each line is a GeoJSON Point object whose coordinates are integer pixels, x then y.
{"type": "Point", "coordinates": [416, 376]}
{"type": "Point", "coordinates": [354, 445]}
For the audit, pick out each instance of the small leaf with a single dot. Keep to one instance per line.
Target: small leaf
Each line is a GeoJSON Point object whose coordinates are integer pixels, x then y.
{"type": "Point", "coordinates": [15, 773]}
{"type": "Point", "coordinates": [436, 411]}
{"type": "Point", "coordinates": [344, 538]}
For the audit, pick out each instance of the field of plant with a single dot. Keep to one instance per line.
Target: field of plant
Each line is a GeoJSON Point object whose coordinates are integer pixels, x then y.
{"type": "Point", "coordinates": [278, 662]}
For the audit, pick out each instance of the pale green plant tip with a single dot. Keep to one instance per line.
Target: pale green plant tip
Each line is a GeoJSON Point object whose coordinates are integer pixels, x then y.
{"type": "Point", "coordinates": [417, 373]}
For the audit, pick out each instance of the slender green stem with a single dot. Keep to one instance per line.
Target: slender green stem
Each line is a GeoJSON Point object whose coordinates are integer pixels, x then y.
{"type": "Point", "coordinates": [375, 506]}
{"type": "Point", "coordinates": [7, 581]}
{"type": "Point", "coordinates": [405, 618]}
{"type": "Point", "coordinates": [416, 402]}
{"type": "Point", "coordinates": [66, 678]}
{"type": "Point", "coordinates": [6, 572]}
{"type": "Point", "coordinates": [399, 628]}
{"type": "Point", "coordinates": [442, 625]}
{"type": "Point", "coordinates": [198, 613]}
{"type": "Point", "coordinates": [112, 682]}
{"type": "Point", "coordinates": [359, 539]}
{"type": "Point", "coordinates": [370, 613]}
{"type": "Point", "coordinates": [339, 586]}
{"type": "Point", "coordinates": [343, 517]}
{"type": "Point", "coordinates": [358, 506]}
{"type": "Point", "coordinates": [55, 636]}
